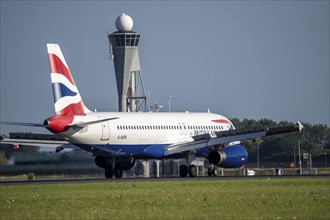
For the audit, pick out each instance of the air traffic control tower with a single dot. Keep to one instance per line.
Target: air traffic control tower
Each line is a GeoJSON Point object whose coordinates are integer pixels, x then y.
{"type": "Point", "coordinates": [124, 52]}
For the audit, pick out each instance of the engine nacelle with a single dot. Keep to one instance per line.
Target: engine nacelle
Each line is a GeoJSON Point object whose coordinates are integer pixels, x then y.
{"type": "Point", "coordinates": [229, 157]}
{"type": "Point", "coordinates": [103, 162]}
{"type": "Point", "coordinates": [126, 163]}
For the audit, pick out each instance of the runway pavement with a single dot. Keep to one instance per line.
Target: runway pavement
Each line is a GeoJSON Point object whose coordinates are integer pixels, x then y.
{"type": "Point", "coordinates": [103, 180]}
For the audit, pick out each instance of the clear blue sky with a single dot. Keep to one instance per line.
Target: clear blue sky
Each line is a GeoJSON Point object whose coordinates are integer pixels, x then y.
{"type": "Point", "coordinates": [245, 59]}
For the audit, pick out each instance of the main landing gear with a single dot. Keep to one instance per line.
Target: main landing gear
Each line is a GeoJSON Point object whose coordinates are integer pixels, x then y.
{"type": "Point", "coordinates": [117, 172]}
{"type": "Point", "coordinates": [191, 170]}
{"type": "Point", "coordinates": [114, 167]}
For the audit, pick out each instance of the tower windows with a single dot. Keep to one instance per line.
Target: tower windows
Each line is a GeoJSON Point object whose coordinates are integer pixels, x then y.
{"type": "Point", "coordinates": [123, 39]}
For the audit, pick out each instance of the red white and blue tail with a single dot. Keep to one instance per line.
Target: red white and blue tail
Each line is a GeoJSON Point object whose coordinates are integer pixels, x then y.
{"type": "Point", "coordinates": [67, 99]}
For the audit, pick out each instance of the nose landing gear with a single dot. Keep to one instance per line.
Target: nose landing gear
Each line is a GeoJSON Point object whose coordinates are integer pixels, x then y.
{"type": "Point", "coordinates": [211, 171]}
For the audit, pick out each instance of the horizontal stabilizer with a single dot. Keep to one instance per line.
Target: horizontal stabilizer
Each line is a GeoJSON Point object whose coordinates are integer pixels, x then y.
{"type": "Point", "coordinates": [22, 124]}
{"type": "Point", "coordinates": [82, 124]}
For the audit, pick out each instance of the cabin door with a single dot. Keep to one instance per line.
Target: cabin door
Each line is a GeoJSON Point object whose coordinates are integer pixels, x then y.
{"type": "Point", "coordinates": [105, 129]}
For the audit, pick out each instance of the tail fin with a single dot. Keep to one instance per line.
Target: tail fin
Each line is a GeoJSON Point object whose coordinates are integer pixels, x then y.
{"type": "Point", "coordinates": [67, 99]}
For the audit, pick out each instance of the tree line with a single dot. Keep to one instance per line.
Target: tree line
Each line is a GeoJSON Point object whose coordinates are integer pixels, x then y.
{"type": "Point", "coordinates": [314, 139]}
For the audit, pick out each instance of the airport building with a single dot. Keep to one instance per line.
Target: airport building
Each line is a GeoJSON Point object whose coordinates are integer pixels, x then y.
{"type": "Point", "coordinates": [125, 55]}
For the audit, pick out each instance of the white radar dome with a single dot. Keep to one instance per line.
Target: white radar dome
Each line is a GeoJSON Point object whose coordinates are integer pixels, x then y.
{"type": "Point", "coordinates": [124, 23]}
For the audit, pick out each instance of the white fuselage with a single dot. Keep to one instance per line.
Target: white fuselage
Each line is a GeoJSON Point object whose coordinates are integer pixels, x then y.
{"type": "Point", "coordinates": [138, 128]}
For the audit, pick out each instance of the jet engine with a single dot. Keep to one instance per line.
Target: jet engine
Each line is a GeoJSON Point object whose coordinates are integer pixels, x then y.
{"type": "Point", "coordinates": [229, 157]}
{"type": "Point", "coordinates": [103, 162]}
{"type": "Point", "coordinates": [126, 163]}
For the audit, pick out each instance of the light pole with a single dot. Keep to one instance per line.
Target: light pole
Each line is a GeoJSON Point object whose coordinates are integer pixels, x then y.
{"type": "Point", "coordinates": [294, 155]}
{"type": "Point", "coordinates": [258, 156]}
{"type": "Point", "coordinates": [169, 102]}
{"type": "Point", "coordinates": [300, 169]}
{"type": "Point", "coordinates": [156, 107]}
{"type": "Point", "coordinates": [325, 160]}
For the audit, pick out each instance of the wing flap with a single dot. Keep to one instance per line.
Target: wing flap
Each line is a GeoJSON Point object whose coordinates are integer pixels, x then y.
{"type": "Point", "coordinates": [287, 129]}
{"type": "Point", "coordinates": [179, 148]}
{"type": "Point", "coordinates": [200, 137]}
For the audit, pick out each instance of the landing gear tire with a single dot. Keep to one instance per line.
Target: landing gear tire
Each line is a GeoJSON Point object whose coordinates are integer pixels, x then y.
{"type": "Point", "coordinates": [192, 171]}
{"type": "Point", "coordinates": [118, 172]}
{"type": "Point", "coordinates": [215, 172]}
{"type": "Point", "coordinates": [212, 172]}
{"type": "Point", "coordinates": [108, 173]}
{"type": "Point", "coordinates": [183, 171]}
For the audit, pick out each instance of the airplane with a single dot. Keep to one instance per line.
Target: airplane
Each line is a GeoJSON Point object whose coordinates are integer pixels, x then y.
{"type": "Point", "coordinates": [118, 139]}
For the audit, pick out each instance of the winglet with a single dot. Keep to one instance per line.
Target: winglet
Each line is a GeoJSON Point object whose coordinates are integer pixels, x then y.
{"type": "Point", "coordinates": [301, 127]}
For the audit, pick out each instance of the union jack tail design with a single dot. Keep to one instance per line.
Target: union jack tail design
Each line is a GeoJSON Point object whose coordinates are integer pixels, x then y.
{"type": "Point", "coordinates": [67, 99]}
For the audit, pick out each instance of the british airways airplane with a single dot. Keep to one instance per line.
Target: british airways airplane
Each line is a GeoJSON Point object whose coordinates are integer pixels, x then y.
{"type": "Point", "coordinates": [117, 139]}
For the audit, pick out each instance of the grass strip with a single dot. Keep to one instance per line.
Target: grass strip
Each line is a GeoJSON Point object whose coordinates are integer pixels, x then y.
{"type": "Point", "coordinates": [225, 199]}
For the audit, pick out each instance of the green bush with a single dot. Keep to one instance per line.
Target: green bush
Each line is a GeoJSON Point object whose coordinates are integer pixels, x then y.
{"type": "Point", "coordinates": [31, 176]}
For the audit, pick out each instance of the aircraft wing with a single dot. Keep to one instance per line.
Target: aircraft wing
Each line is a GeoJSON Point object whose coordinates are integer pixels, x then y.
{"type": "Point", "coordinates": [226, 137]}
